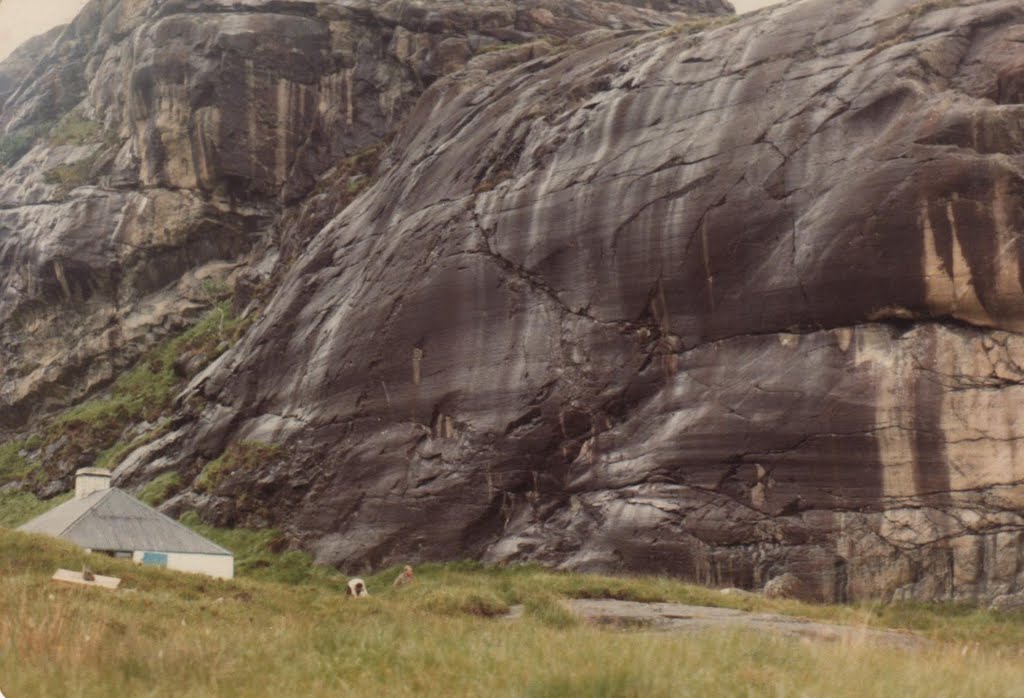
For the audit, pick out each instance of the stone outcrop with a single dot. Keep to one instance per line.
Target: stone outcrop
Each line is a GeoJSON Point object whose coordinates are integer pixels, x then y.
{"type": "Point", "coordinates": [785, 586]}
{"type": "Point", "coordinates": [168, 138]}
{"type": "Point", "coordinates": [16, 67]}
{"type": "Point", "coordinates": [728, 305]}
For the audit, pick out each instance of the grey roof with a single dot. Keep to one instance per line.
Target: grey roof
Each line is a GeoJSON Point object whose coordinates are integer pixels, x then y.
{"type": "Point", "coordinates": [114, 520]}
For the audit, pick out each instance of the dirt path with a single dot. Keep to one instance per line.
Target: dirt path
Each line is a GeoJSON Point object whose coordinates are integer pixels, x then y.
{"type": "Point", "coordinates": [680, 618]}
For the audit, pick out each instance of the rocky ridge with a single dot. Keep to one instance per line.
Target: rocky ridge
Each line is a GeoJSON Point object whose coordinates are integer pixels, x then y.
{"type": "Point", "coordinates": [726, 305]}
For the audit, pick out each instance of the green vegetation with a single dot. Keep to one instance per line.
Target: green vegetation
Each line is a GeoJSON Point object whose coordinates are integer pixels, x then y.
{"type": "Point", "coordinates": [13, 465]}
{"type": "Point", "coordinates": [930, 6]}
{"type": "Point", "coordinates": [75, 129]}
{"type": "Point", "coordinates": [72, 175]}
{"type": "Point", "coordinates": [133, 413]}
{"type": "Point", "coordinates": [357, 184]}
{"type": "Point", "coordinates": [457, 600]}
{"type": "Point", "coordinates": [366, 160]}
{"type": "Point", "coordinates": [17, 143]}
{"type": "Point", "coordinates": [112, 456]}
{"type": "Point", "coordinates": [354, 174]}
{"type": "Point", "coordinates": [360, 169]}
{"type": "Point", "coordinates": [186, 635]}
{"type": "Point", "coordinates": [143, 394]}
{"type": "Point", "coordinates": [262, 555]}
{"type": "Point", "coordinates": [17, 508]}
{"type": "Point", "coordinates": [160, 489]}
{"type": "Point", "coordinates": [215, 289]}
{"type": "Point", "coordinates": [238, 456]}
{"type": "Point", "coordinates": [548, 609]}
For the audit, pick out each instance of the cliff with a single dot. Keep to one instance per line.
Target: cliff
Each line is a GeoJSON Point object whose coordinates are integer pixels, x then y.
{"type": "Point", "coordinates": [635, 292]}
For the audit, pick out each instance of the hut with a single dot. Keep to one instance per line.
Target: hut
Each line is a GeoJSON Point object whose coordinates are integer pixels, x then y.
{"type": "Point", "coordinates": [104, 519]}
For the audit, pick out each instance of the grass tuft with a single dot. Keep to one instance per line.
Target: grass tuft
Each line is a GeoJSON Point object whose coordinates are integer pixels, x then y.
{"type": "Point", "coordinates": [240, 456]}
{"type": "Point", "coordinates": [75, 129]}
{"type": "Point", "coordinates": [549, 610]}
{"type": "Point", "coordinates": [454, 600]}
{"type": "Point", "coordinates": [160, 489]}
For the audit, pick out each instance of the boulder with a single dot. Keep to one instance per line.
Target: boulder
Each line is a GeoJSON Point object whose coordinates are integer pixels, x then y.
{"type": "Point", "coordinates": [785, 586]}
{"type": "Point", "coordinates": [1008, 603]}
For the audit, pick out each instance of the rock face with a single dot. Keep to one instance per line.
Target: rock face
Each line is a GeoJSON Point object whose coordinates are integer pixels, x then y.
{"type": "Point", "coordinates": [16, 67]}
{"type": "Point", "coordinates": [725, 305]}
{"type": "Point", "coordinates": [153, 144]}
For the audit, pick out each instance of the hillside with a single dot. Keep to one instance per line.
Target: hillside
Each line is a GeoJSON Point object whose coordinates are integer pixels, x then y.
{"type": "Point", "coordinates": [634, 287]}
{"type": "Point", "coordinates": [170, 634]}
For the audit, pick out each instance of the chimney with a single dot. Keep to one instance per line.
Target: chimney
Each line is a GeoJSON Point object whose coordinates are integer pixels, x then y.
{"type": "Point", "coordinates": [89, 480]}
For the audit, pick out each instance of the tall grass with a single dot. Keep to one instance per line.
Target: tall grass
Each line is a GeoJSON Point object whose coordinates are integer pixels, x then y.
{"type": "Point", "coordinates": [168, 634]}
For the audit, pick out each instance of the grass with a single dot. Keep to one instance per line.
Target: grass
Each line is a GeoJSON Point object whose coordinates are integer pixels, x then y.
{"type": "Point", "coordinates": [71, 175]}
{"type": "Point", "coordinates": [262, 555]}
{"type": "Point", "coordinates": [75, 129]}
{"type": "Point", "coordinates": [110, 457]}
{"type": "Point", "coordinates": [473, 589]}
{"type": "Point", "coordinates": [170, 634]}
{"type": "Point", "coordinates": [92, 431]}
{"type": "Point", "coordinates": [358, 170]}
{"type": "Point", "coordinates": [17, 143]}
{"type": "Point", "coordinates": [17, 508]}
{"type": "Point", "coordinates": [160, 489]}
{"type": "Point", "coordinates": [98, 432]}
{"type": "Point", "coordinates": [930, 6]}
{"type": "Point", "coordinates": [547, 609]}
{"type": "Point", "coordinates": [13, 465]}
{"type": "Point", "coordinates": [354, 174]}
{"type": "Point", "coordinates": [237, 457]}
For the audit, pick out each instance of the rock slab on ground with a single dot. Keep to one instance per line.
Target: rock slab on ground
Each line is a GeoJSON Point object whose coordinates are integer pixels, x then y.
{"type": "Point", "coordinates": [672, 617]}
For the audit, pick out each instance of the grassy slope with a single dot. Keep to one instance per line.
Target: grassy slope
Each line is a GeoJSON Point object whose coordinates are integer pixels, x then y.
{"type": "Point", "coordinates": [99, 431]}
{"type": "Point", "coordinates": [17, 508]}
{"type": "Point", "coordinates": [185, 635]}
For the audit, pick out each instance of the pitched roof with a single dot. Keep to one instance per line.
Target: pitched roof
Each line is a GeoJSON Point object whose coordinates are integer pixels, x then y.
{"type": "Point", "coordinates": [114, 520]}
